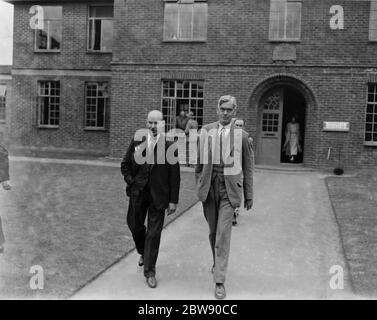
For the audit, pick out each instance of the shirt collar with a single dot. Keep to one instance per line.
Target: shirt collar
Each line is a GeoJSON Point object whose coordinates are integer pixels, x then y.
{"type": "Point", "coordinates": [227, 127]}
{"type": "Point", "coordinates": [152, 138]}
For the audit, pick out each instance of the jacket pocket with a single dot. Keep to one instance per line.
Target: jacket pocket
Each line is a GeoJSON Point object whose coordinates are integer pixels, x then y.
{"type": "Point", "coordinates": [239, 185]}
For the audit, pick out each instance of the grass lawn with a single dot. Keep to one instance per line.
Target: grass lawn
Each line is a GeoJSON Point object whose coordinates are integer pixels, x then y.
{"type": "Point", "coordinates": [69, 219]}
{"type": "Point", "coordinates": [355, 203]}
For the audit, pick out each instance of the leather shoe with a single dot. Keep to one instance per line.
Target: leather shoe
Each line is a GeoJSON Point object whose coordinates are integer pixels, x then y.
{"type": "Point", "coordinates": [220, 291]}
{"type": "Point", "coordinates": [141, 261]}
{"type": "Point", "coordinates": [151, 282]}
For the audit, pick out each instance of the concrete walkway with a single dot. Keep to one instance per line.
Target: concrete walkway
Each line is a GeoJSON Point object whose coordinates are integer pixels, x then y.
{"type": "Point", "coordinates": [282, 249]}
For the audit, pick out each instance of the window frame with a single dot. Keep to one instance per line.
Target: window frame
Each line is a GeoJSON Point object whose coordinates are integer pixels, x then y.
{"type": "Point", "coordinates": [89, 36]}
{"type": "Point", "coordinates": [374, 123]}
{"type": "Point", "coordinates": [105, 109]}
{"type": "Point", "coordinates": [39, 105]}
{"type": "Point", "coordinates": [373, 8]}
{"type": "Point", "coordinates": [48, 38]}
{"type": "Point", "coordinates": [185, 2]}
{"type": "Point", "coordinates": [174, 99]}
{"type": "Point", "coordinates": [285, 39]}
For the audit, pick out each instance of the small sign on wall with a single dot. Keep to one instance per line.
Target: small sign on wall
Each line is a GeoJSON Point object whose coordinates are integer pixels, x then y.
{"type": "Point", "coordinates": [336, 126]}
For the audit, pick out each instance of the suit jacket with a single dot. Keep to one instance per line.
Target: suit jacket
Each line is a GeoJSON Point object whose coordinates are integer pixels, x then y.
{"type": "Point", "coordinates": [164, 178]}
{"type": "Point", "coordinates": [4, 164]}
{"type": "Point", "coordinates": [235, 180]}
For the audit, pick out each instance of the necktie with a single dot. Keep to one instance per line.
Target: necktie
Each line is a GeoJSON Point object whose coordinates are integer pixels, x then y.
{"type": "Point", "coordinates": [151, 149]}
{"type": "Point", "coordinates": [221, 144]}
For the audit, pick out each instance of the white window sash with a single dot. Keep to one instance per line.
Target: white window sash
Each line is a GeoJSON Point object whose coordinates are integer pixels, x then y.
{"type": "Point", "coordinates": [373, 21]}
{"type": "Point", "coordinates": [275, 36]}
{"type": "Point", "coordinates": [169, 32]}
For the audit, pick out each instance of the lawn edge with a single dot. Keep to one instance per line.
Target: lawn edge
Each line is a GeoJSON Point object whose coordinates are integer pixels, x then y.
{"type": "Point", "coordinates": [341, 238]}
{"type": "Point", "coordinates": [70, 295]}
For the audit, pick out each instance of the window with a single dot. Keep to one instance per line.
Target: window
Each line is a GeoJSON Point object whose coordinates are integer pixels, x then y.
{"type": "Point", "coordinates": [48, 103]}
{"type": "Point", "coordinates": [371, 115]}
{"type": "Point", "coordinates": [373, 21]}
{"type": "Point", "coordinates": [185, 20]}
{"type": "Point", "coordinates": [3, 90]}
{"type": "Point", "coordinates": [96, 102]}
{"type": "Point", "coordinates": [100, 28]}
{"type": "Point", "coordinates": [49, 37]}
{"type": "Point", "coordinates": [285, 20]}
{"type": "Point", "coordinates": [188, 95]}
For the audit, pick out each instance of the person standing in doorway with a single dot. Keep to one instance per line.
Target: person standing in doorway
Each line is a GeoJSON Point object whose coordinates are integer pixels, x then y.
{"type": "Point", "coordinates": [292, 140]}
{"type": "Point", "coordinates": [219, 187]}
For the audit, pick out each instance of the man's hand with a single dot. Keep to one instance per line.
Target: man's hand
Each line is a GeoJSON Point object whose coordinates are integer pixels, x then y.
{"type": "Point", "coordinates": [6, 185]}
{"type": "Point", "coordinates": [248, 204]}
{"type": "Point", "coordinates": [171, 209]}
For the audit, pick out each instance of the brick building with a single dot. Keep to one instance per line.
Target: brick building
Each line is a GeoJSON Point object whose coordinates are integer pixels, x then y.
{"type": "Point", "coordinates": [85, 79]}
{"type": "Point", "coordinates": [5, 91]}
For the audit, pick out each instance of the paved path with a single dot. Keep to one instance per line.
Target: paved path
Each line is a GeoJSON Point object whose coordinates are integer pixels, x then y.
{"type": "Point", "coordinates": [282, 249]}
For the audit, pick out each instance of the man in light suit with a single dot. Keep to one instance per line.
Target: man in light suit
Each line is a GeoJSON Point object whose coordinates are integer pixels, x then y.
{"type": "Point", "coordinates": [220, 182]}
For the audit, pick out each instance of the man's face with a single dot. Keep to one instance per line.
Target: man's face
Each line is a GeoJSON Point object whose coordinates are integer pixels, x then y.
{"type": "Point", "coordinates": [226, 112]}
{"type": "Point", "coordinates": [152, 124]}
{"type": "Point", "coordinates": [182, 113]}
{"type": "Point", "coordinates": [238, 124]}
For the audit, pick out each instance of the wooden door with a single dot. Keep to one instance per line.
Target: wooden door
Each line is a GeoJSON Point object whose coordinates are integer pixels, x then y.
{"type": "Point", "coordinates": [270, 125]}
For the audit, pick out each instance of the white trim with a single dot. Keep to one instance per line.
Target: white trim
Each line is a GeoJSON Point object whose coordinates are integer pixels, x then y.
{"type": "Point", "coordinates": [5, 77]}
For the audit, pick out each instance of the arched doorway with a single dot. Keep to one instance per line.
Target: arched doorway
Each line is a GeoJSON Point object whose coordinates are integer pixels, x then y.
{"type": "Point", "coordinates": [277, 100]}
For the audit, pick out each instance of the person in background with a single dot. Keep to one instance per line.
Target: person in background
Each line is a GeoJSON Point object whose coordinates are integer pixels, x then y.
{"type": "Point", "coordinates": [292, 140]}
{"type": "Point", "coordinates": [182, 119]}
{"type": "Point", "coordinates": [192, 124]}
{"type": "Point", "coordinates": [239, 123]}
{"type": "Point", "coordinates": [4, 178]}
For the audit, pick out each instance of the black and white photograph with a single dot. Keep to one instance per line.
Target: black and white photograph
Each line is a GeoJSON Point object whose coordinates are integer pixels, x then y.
{"type": "Point", "coordinates": [214, 151]}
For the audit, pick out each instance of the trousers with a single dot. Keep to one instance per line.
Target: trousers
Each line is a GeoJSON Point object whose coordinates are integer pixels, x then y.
{"type": "Point", "coordinates": [2, 238]}
{"type": "Point", "coordinates": [147, 239]}
{"type": "Point", "coordinates": [218, 212]}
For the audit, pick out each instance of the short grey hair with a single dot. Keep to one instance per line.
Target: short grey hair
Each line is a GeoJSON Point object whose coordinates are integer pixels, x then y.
{"type": "Point", "coordinates": [227, 98]}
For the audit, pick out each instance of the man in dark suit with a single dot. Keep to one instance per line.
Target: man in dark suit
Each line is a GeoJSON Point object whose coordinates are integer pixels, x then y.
{"type": "Point", "coordinates": [153, 186]}
{"type": "Point", "coordinates": [4, 178]}
{"type": "Point", "coordinates": [221, 178]}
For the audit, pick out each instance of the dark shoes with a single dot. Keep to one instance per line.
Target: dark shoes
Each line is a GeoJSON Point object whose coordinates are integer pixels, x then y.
{"type": "Point", "coordinates": [220, 291]}
{"type": "Point", "coordinates": [151, 281]}
{"type": "Point", "coordinates": [141, 261]}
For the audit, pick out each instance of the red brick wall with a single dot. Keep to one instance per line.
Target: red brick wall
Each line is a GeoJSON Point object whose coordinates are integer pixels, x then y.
{"type": "Point", "coordinates": [71, 133]}
{"type": "Point", "coordinates": [339, 94]}
{"type": "Point", "coordinates": [238, 34]}
{"type": "Point", "coordinates": [73, 56]}
{"type": "Point", "coordinates": [5, 125]}
{"type": "Point", "coordinates": [237, 56]}
{"type": "Point", "coordinates": [73, 53]}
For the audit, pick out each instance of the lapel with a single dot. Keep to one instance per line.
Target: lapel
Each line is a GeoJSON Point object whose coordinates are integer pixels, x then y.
{"type": "Point", "coordinates": [212, 138]}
